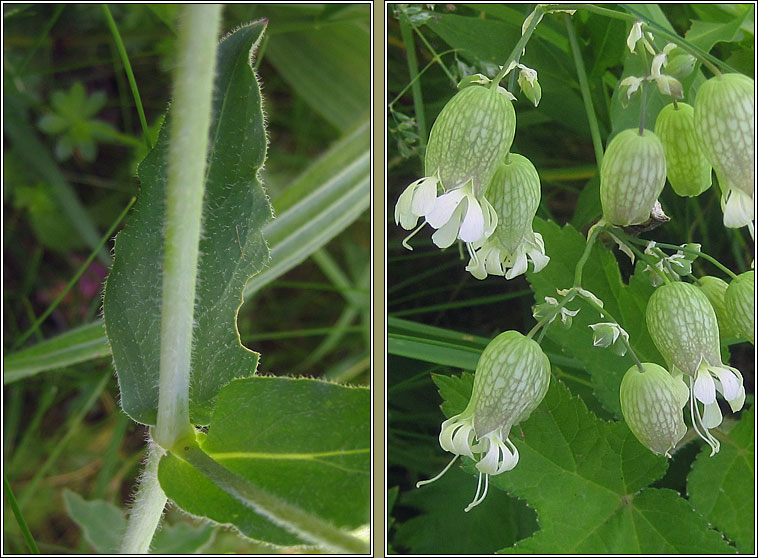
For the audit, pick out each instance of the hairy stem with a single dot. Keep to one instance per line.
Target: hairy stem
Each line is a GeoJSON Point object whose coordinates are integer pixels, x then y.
{"type": "Point", "coordinates": [418, 99]}
{"type": "Point", "coordinates": [190, 122]}
{"type": "Point", "coordinates": [148, 507]}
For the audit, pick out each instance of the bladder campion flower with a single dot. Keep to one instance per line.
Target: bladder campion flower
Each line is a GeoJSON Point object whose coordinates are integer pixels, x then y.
{"type": "Point", "coordinates": [470, 137]}
{"type": "Point", "coordinates": [632, 176]}
{"type": "Point", "coordinates": [684, 328]}
{"type": "Point", "coordinates": [515, 194]}
{"type": "Point", "coordinates": [512, 377]}
{"type": "Point", "coordinates": [652, 402]}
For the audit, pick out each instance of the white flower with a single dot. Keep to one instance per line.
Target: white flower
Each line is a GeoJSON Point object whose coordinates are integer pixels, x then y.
{"type": "Point", "coordinates": [416, 201]}
{"type": "Point", "coordinates": [635, 34]}
{"type": "Point", "coordinates": [609, 334]}
{"type": "Point", "coordinates": [491, 257]}
{"type": "Point", "coordinates": [458, 214]}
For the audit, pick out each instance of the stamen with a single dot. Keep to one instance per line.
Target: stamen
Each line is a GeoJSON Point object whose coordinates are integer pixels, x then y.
{"type": "Point", "coordinates": [479, 500]}
{"type": "Point", "coordinates": [419, 484]}
{"type": "Point", "coordinates": [474, 502]}
{"type": "Point", "coordinates": [697, 423]}
{"type": "Point", "coordinates": [407, 238]}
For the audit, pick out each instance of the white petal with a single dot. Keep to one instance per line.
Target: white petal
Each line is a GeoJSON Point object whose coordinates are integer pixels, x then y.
{"type": "Point", "coordinates": [705, 388]}
{"type": "Point", "coordinates": [425, 196]}
{"type": "Point", "coordinates": [472, 228]}
{"type": "Point", "coordinates": [403, 209]}
{"type": "Point", "coordinates": [519, 267]}
{"type": "Point", "coordinates": [492, 262]}
{"type": "Point", "coordinates": [730, 383]}
{"type": "Point", "coordinates": [447, 234]}
{"type": "Point", "coordinates": [738, 208]}
{"type": "Point", "coordinates": [635, 34]}
{"type": "Point", "coordinates": [712, 415]}
{"type": "Point", "coordinates": [490, 217]}
{"type": "Point", "coordinates": [658, 61]}
{"type": "Point", "coordinates": [444, 207]}
{"type": "Point", "coordinates": [539, 259]}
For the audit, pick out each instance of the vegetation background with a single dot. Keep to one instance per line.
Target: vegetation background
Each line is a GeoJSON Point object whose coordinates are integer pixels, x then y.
{"type": "Point", "coordinates": [428, 51]}
{"type": "Point", "coordinates": [73, 141]}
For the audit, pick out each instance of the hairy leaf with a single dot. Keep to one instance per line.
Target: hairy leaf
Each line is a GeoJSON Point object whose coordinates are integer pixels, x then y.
{"type": "Point", "coordinates": [302, 440]}
{"type": "Point", "coordinates": [232, 248]}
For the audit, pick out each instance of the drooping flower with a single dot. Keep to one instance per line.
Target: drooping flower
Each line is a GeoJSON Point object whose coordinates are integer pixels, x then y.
{"type": "Point", "coordinates": [725, 121]}
{"type": "Point", "coordinates": [632, 176]}
{"type": "Point", "coordinates": [511, 380]}
{"type": "Point", "coordinates": [471, 135]}
{"type": "Point", "coordinates": [684, 328]}
{"type": "Point", "coordinates": [652, 402]}
{"type": "Point", "coordinates": [515, 194]}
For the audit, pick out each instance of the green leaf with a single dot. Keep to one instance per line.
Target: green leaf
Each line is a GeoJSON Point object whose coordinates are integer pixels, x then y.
{"type": "Point", "coordinates": [443, 528]}
{"type": "Point", "coordinates": [567, 455]}
{"type": "Point", "coordinates": [626, 303]}
{"type": "Point", "coordinates": [103, 525]}
{"type": "Point", "coordinates": [232, 248]}
{"type": "Point", "coordinates": [705, 34]}
{"type": "Point", "coordinates": [722, 487]}
{"type": "Point", "coordinates": [75, 346]}
{"type": "Point", "coordinates": [303, 440]}
{"type": "Point", "coordinates": [329, 67]}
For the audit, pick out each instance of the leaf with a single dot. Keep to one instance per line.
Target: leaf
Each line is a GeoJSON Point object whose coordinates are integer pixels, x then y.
{"type": "Point", "coordinates": [602, 277]}
{"type": "Point", "coordinates": [586, 478]}
{"type": "Point", "coordinates": [705, 34]}
{"type": "Point", "coordinates": [443, 528]}
{"type": "Point", "coordinates": [75, 346]}
{"type": "Point", "coordinates": [103, 525]}
{"type": "Point", "coordinates": [232, 248]}
{"type": "Point", "coordinates": [722, 487]}
{"type": "Point", "coordinates": [329, 68]}
{"type": "Point", "coordinates": [303, 440]}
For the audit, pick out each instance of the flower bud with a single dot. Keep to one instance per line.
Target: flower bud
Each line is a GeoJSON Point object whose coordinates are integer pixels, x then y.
{"type": "Point", "coordinates": [470, 137]}
{"type": "Point", "coordinates": [724, 119]}
{"type": "Point", "coordinates": [740, 304]}
{"type": "Point", "coordinates": [632, 176]}
{"type": "Point", "coordinates": [683, 326]}
{"type": "Point", "coordinates": [680, 65]}
{"type": "Point", "coordinates": [715, 290]}
{"type": "Point", "coordinates": [514, 193]}
{"type": "Point", "coordinates": [687, 167]}
{"type": "Point", "coordinates": [652, 402]}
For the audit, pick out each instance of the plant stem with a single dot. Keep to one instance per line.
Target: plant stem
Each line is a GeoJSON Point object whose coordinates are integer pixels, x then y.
{"type": "Point", "coordinates": [629, 241]}
{"type": "Point", "coordinates": [589, 108]}
{"type": "Point", "coordinates": [187, 158]}
{"type": "Point", "coordinates": [519, 46]}
{"type": "Point", "coordinates": [418, 100]}
{"type": "Point", "coordinates": [685, 250]}
{"type": "Point", "coordinates": [585, 256]}
{"type": "Point", "coordinates": [147, 509]}
{"type": "Point", "coordinates": [292, 518]}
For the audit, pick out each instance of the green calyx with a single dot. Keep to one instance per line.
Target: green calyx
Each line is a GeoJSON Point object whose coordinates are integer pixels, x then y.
{"type": "Point", "coordinates": [724, 118]}
{"type": "Point", "coordinates": [514, 193]}
{"type": "Point", "coordinates": [632, 177]}
{"type": "Point", "coordinates": [740, 305]}
{"type": "Point", "coordinates": [470, 137]}
{"type": "Point", "coordinates": [687, 167]}
{"type": "Point", "coordinates": [511, 380]}
{"type": "Point", "coordinates": [715, 290]}
{"type": "Point", "coordinates": [683, 326]}
{"type": "Point", "coordinates": [652, 402]}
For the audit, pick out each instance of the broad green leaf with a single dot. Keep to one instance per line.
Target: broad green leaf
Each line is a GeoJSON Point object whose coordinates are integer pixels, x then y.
{"type": "Point", "coordinates": [443, 527]}
{"type": "Point", "coordinates": [722, 487]}
{"type": "Point", "coordinates": [328, 66]}
{"type": "Point", "coordinates": [602, 277]}
{"type": "Point", "coordinates": [705, 34]}
{"type": "Point", "coordinates": [75, 346]}
{"type": "Point", "coordinates": [232, 248]}
{"type": "Point", "coordinates": [585, 478]}
{"type": "Point", "coordinates": [103, 525]}
{"type": "Point", "coordinates": [300, 439]}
